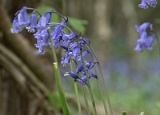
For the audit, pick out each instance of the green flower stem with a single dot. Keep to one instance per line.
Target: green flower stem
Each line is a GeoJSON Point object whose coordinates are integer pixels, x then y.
{"type": "Point", "coordinates": [100, 89]}
{"type": "Point", "coordinates": [89, 88]}
{"type": "Point", "coordinates": [93, 102]}
{"type": "Point", "coordinates": [77, 93]}
{"type": "Point", "coordinates": [60, 89]}
{"type": "Point", "coordinates": [85, 99]}
{"type": "Point", "coordinates": [102, 95]}
{"type": "Point", "coordinates": [59, 84]}
{"type": "Point", "coordinates": [78, 100]}
{"type": "Point", "coordinates": [104, 85]}
{"type": "Point", "coordinates": [103, 81]}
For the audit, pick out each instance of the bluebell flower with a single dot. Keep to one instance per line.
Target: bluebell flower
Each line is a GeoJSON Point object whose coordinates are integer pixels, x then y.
{"type": "Point", "coordinates": [40, 46]}
{"type": "Point", "coordinates": [143, 27]}
{"type": "Point", "coordinates": [84, 55]}
{"type": "Point", "coordinates": [141, 42]}
{"type": "Point", "coordinates": [66, 41]}
{"type": "Point", "coordinates": [65, 45]}
{"type": "Point", "coordinates": [76, 78]}
{"type": "Point", "coordinates": [89, 66]}
{"type": "Point", "coordinates": [152, 3]}
{"type": "Point", "coordinates": [58, 29]}
{"type": "Point", "coordinates": [23, 17]}
{"type": "Point", "coordinates": [42, 22]}
{"type": "Point", "coordinates": [82, 43]}
{"type": "Point", "coordinates": [56, 42]}
{"type": "Point", "coordinates": [37, 35]}
{"type": "Point", "coordinates": [75, 46]}
{"type": "Point", "coordinates": [82, 80]}
{"type": "Point", "coordinates": [45, 37]}
{"type": "Point", "coordinates": [146, 37]}
{"type": "Point", "coordinates": [72, 36]}
{"type": "Point", "coordinates": [42, 38]}
{"type": "Point", "coordinates": [144, 3]}
{"type": "Point", "coordinates": [48, 18]}
{"type": "Point", "coordinates": [66, 59]}
{"type": "Point", "coordinates": [76, 51]}
{"type": "Point", "coordinates": [33, 23]}
{"type": "Point", "coordinates": [73, 75]}
{"type": "Point", "coordinates": [149, 41]}
{"type": "Point", "coordinates": [16, 27]}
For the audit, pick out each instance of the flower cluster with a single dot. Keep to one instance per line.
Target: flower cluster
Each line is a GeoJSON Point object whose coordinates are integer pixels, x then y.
{"type": "Point", "coordinates": [49, 33]}
{"type": "Point", "coordinates": [146, 37]}
{"type": "Point", "coordinates": [145, 3]}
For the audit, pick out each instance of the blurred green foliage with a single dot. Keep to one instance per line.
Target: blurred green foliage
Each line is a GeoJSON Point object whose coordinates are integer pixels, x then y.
{"type": "Point", "coordinates": [77, 24]}
{"type": "Point", "coordinates": [54, 100]}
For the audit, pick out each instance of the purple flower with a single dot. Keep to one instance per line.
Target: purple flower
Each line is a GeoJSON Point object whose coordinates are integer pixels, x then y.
{"type": "Point", "coordinates": [72, 36]}
{"type": "Point", "coordinates": [144, 3]}
{"type": "Point", "coordinates": [84, 55]}
{"type": "Point", "coordinates": [23, 17]}
{"type": "Point", "coordinates": [74, 75]}
{"type": "Point", "coordinates": [42, 22]}
{"type": "Point", "coordinates": [76, 52]}
{"type": "Point", "coordinates": [146, 37]}
{"type": "Point", "coordinates": [37, 35]}
{"type": "Point", "coordinates": [56, 42]}
{"type": "Point", "coordinates": [40, 46]}
{"type": "Point", "coordinates": [67, 40]}
{"type": "Point", "coordinates": [48, 18]}
{"type": "Point", "coordinates": [33, 23]}
{"type": "Point", "coordinates": [145, 43]}
{"type": "Point", "coordinates": [149, 41]}
{"type": "Point", "coordinates": [66, 59]}
{"type": "Point", "coordinates": [141, 42]}
{"type": "Point", "coordinates": [16, 27]}
{"type": "Point", "coordinates": [143, 27]}
{"type": "Point", "coordinates": [152, 3]}
{"type": "Point", "coordinates": [76, 78]}
{"type": "Point", "coordinates": [58, 29]}
{"type": "Point", "coordinates": [42, 38]}
{"type": "Point", "coordinates": [83, 80]}
{"type": "Point", "coordinates": [75, 46]}
{"type": "Point", "coordinates": [45, 37]}
{"type": "Point", "coordinates": [88, 66]}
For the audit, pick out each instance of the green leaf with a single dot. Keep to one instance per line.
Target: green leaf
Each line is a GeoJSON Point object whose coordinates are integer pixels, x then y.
{"type": "Point", "coordinates": [54, 100]}
{"type": "Point", "coordinates": [42, 9]}
{"type": "Point", "coordinates": [78, 25]}
{"type": "Point", "coordinates": [60, 89]}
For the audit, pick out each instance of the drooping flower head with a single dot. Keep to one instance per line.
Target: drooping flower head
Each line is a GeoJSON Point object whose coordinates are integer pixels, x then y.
{"type": "Point", "coordinates": [145, 3]}
{"type": "Point", "coordinates": [33, 23]}
{"type": "Point", "coordinates": [16, 27]}
{"type": "Point", "coordinates": [23, 17]}
{"type": "Point", "coordinates": [49, 33]}
{"type": "Point", "coordinates": [146, 37]}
